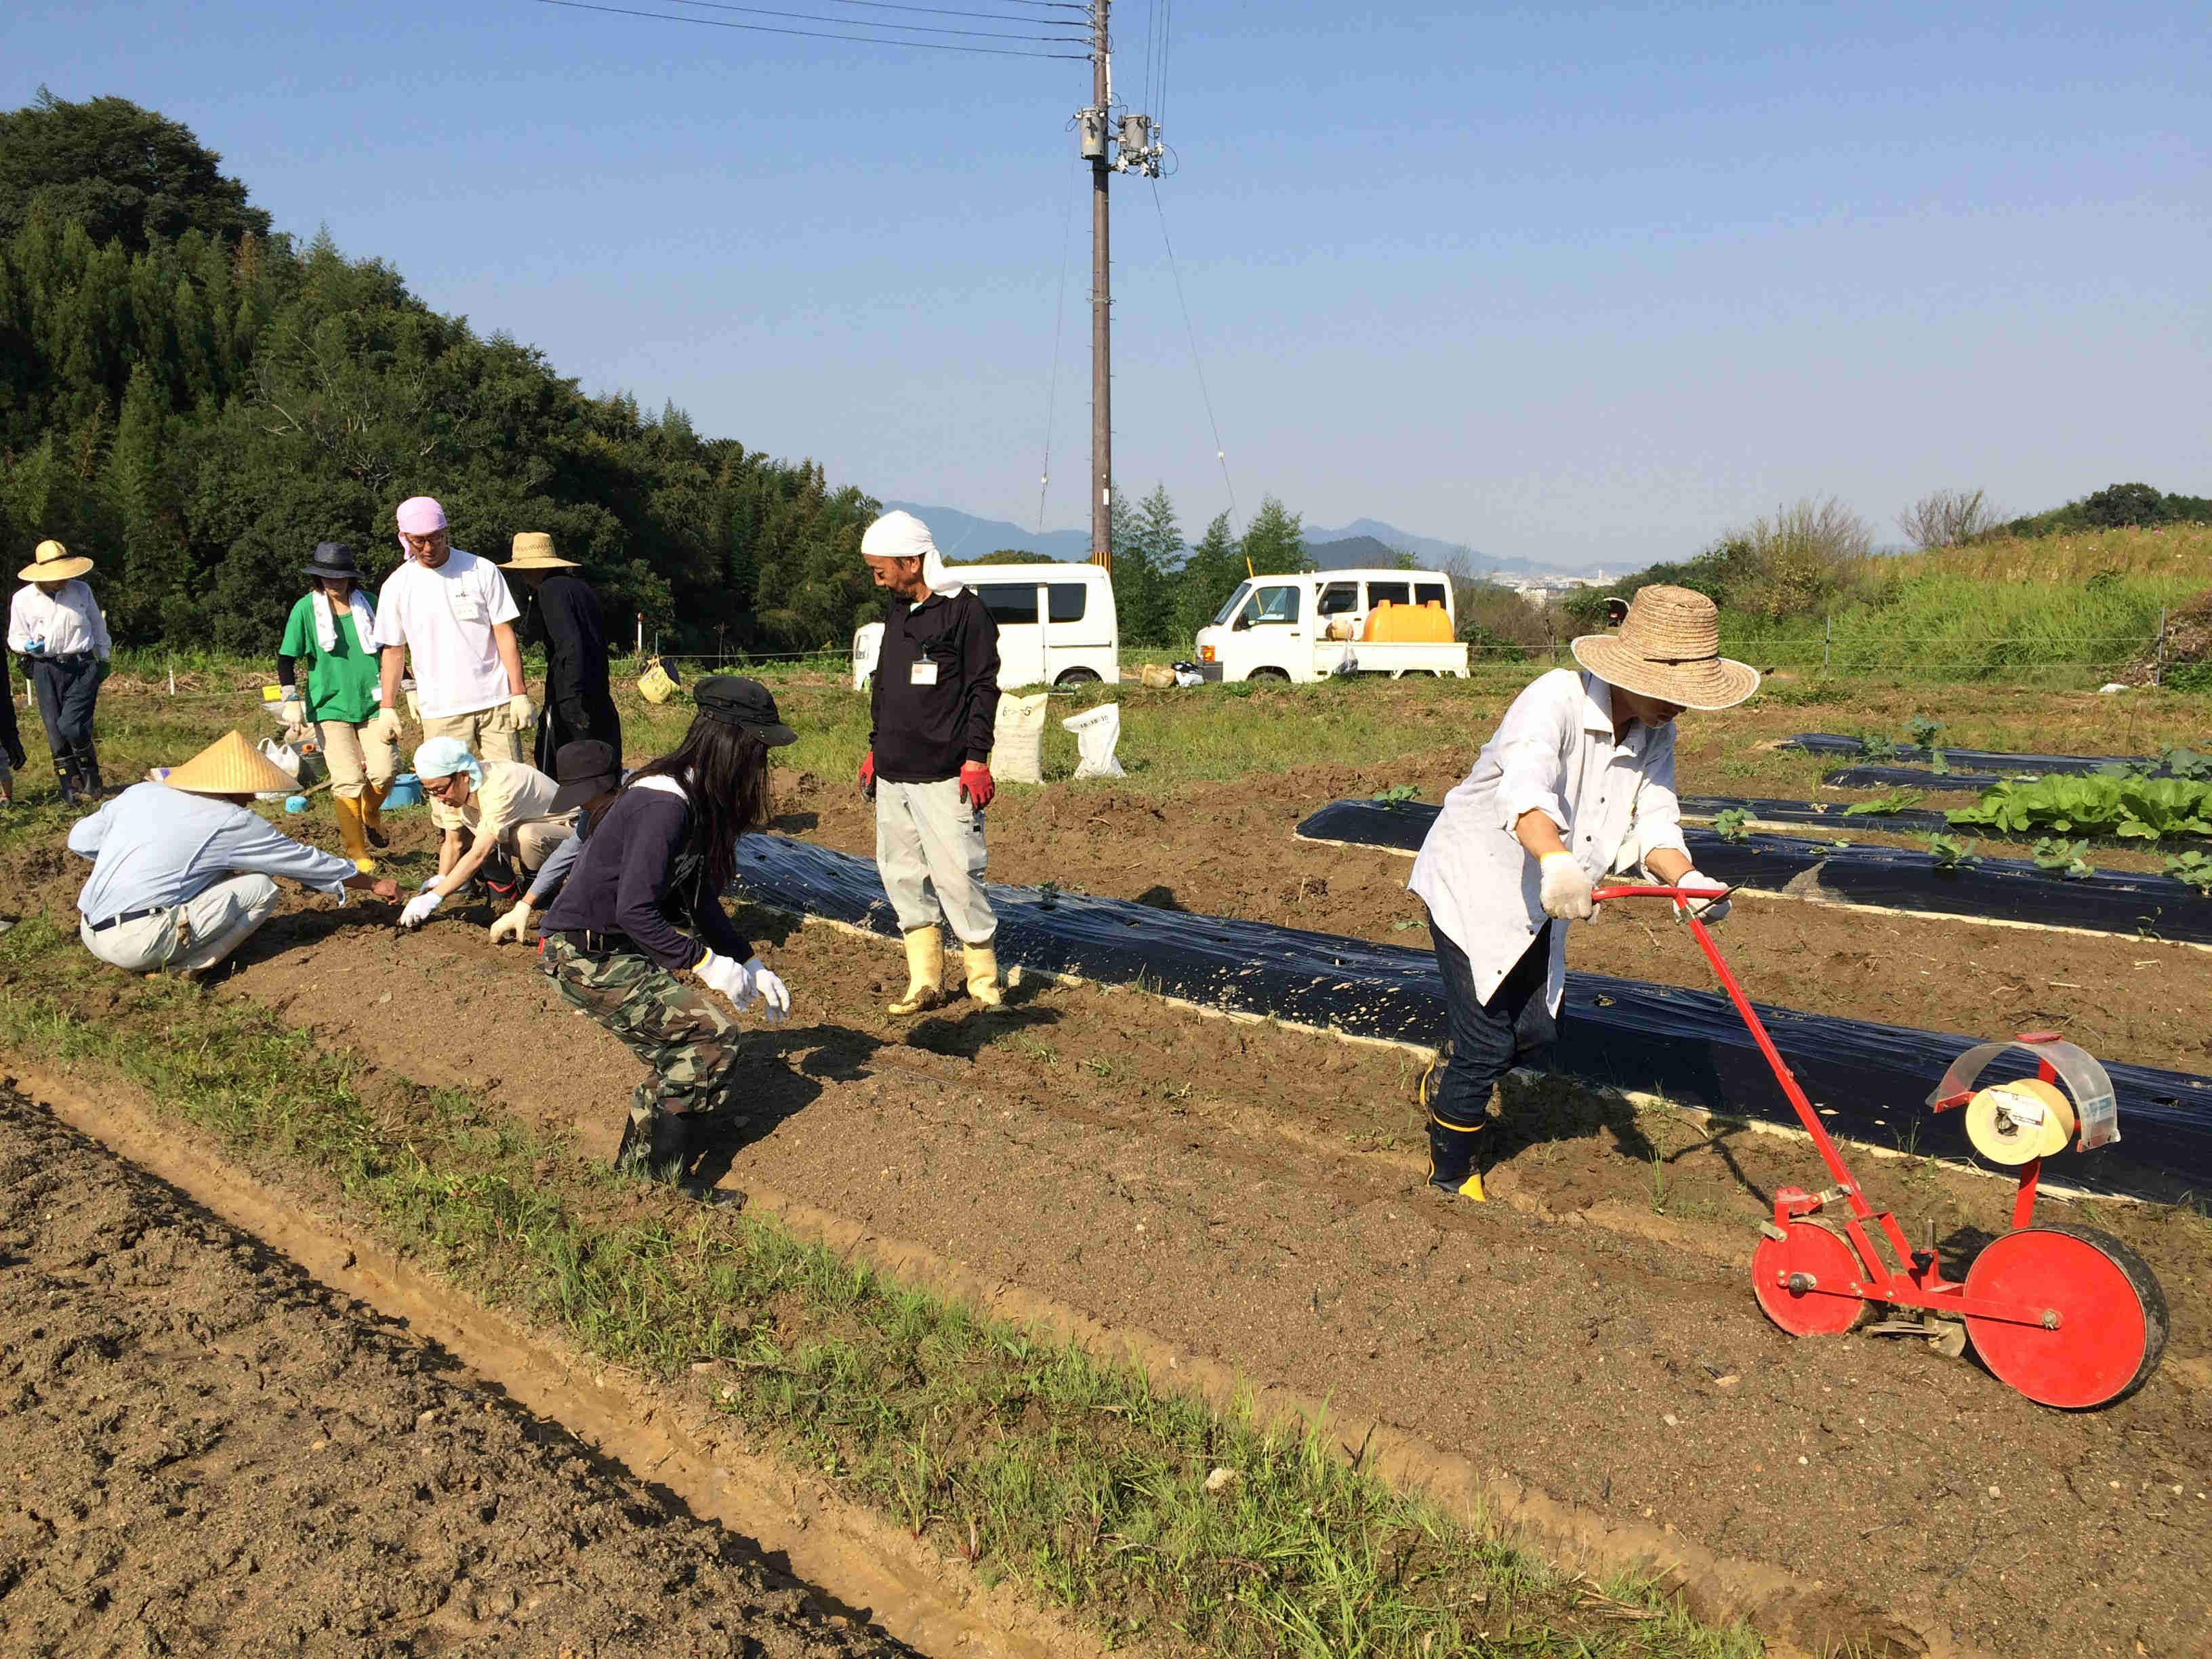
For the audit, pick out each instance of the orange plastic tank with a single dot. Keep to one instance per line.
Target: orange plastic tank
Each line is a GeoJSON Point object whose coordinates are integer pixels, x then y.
{"type": "Point", "coordinates": [1409, 624]}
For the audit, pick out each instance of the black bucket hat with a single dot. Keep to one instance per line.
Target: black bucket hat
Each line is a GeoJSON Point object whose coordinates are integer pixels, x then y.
{"type": "Point", "coordinates": [334, 559]}
{"type": "Point", "coordinates": [583, 769]}
{"type": "Point", "coordinates": [735, 701]}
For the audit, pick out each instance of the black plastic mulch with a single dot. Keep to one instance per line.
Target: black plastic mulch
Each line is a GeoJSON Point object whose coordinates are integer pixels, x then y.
{"type": "Point", "coordinates": [1985, 760]}
{"type": "Point", "coordinates": [1868, 1079]}
{"type": "Point", "coordinates": [1911, 777]}
{"type": "Point", "coordinates": [2001, 890]}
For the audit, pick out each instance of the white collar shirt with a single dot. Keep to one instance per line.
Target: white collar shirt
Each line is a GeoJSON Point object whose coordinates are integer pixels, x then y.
{"type": "Point", "coordinates": [1554, 752]}
{"type": "Point", "coordinates": [68, 620]}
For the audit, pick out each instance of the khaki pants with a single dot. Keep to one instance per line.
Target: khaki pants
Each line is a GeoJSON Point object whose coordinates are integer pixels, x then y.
{"type": "Point", "coordinates": [197, 933]}
{"type": "Point", "coordinates": [930, 853]}
{"type": "Point", "coordinates": [533, 842]}
{"type": "Point", "coordinates": [354, 763]}
{"type": "Point", "coordinates": [490, 734]}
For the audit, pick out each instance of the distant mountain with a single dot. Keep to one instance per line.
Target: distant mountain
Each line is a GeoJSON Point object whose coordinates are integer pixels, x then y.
{"type": "Point", "coordinates": [1352, 553]}
{"type": "Point", "coordinates": [963, 536]}
{"type": "Point", "coordinates": [1431, 550]}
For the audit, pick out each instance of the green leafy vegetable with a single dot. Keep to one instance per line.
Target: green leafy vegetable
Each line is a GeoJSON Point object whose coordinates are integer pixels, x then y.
{"type": "Point", "coordinates": [2141, 809]}
{"type": "Point", "coordinates": [2186, 763]}
{"type": "Point", "coordinates": [1924, 730]}
{"type": "Point", "coordinates": [1876, 747]}
{"type": "Point", "coordinates": [1733, 823]}
{"type": "Point", "coordinates": [1950, 854]}
{"type": "Point", "coordinates": [2193, 867]}
{"type": "Point", "coordinates": [2065, 858]}
{"type": "Point", "coordinates": [1897, 800]}
{"type": "Point", "coordinates": [1398, 794]}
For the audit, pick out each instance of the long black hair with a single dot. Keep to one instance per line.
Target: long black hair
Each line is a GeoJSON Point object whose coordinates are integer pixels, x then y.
{"type": "Point", "coordinates": [723, 771]}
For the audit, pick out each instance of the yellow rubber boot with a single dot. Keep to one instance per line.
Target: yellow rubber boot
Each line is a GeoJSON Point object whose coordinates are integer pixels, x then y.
{"type": "Point", "coordinates": [372, 814]}
{"type": "Point", "coordinates": [981, 962]}
{"type": "Point", "coordinates": [925, 971]}
{"type": "Point", "coordinates": [353, 837]}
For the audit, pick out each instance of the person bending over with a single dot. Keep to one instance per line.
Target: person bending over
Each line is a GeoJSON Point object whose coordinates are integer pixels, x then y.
{"type": "Point", "coordinates": [638, 937]}
{"type": "Point", "coordinates": [1578, 780]}
{"type": "Point", "coordinates": [503, 824]}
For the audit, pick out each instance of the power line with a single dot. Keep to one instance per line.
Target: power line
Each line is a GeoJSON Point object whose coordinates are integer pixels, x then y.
{"type": "Point", "coordinates": [1219, 455]}
{"type": "Point", "coordinates": [942, 11]}
{"type": "Point", "coordinates": [812, 35]}
{"type": "Point", "coordinates": [906, 29]}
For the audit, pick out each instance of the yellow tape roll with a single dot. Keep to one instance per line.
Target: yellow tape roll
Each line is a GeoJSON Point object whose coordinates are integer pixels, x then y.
{"type": "Point", "coordinates": [2014, 1123]}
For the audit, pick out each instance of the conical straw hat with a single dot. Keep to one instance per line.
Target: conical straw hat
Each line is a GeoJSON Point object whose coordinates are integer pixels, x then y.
{"type": "Point", "coordinates": [231, 766]}
{"type": "Point", "coordinates": [52, 562]}
{"type": "Point", "coordinates": [1669, 647]}
{"type": "Point", "coordinates": [533, 550]}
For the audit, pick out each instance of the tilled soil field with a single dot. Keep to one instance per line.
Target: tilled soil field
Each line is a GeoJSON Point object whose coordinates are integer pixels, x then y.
{"type": "Point", "coordinates": [209, 1452]}
{"type": "Point", "coordinates": [1253, 1195]}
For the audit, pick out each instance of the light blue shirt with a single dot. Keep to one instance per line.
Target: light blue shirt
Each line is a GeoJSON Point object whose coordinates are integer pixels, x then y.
{"type": "Point", "coordinates": [153, 846]}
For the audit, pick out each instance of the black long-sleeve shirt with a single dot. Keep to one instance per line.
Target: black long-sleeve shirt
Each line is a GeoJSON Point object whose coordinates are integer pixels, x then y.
{"type": "Point", "coordinates": [935, 700]}
{"type": "Point", "coordinates": [628, 880]}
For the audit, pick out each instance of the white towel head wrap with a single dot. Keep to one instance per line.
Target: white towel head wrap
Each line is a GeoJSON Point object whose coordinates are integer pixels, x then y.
{"type": "Point", "coordinates": [902, 536]}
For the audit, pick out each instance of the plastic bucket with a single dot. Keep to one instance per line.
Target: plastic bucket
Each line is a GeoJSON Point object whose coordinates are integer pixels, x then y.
{"type": "Point", "coordinates": [406, 791]}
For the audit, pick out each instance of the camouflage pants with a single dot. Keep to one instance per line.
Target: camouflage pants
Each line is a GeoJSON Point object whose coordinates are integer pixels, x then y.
{"type": "Point", "coordinates": [676, 1028]}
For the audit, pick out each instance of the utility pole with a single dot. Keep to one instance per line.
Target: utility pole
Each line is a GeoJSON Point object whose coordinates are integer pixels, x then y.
{"type": "Point", "coordinates": [1136, 142]}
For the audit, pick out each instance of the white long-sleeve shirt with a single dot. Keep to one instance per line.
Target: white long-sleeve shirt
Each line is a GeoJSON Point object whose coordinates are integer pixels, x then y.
{"type": "Point", "coordinates": [1554, 752]}
{"type": "Point", "coordinates": [68, 620]}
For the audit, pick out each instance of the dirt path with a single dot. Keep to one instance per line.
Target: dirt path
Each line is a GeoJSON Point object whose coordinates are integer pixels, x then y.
{"type": "Point", "coordinates": [1252, 1195]}
{"type": "Point", "coordinates": [1228, 850]}
{"type": "Point", "coordinates": [213, 1453]}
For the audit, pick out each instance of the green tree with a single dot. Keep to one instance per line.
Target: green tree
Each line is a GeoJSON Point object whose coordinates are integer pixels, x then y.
{"type": "Point", "coordinates": [1145, 576]}
{"type": "Point", "coordinates": [1209, 576]}
{"type": "Point", "coordinates": [124, 173]}
{"type": "Point", "coordinates": [1275, 541]}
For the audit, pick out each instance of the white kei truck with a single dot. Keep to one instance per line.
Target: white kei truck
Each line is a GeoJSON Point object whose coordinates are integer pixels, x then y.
{"type": "Point", "coordinates": [1308, 627]}
{"type": "Point", "coordinates": [1057, 625]}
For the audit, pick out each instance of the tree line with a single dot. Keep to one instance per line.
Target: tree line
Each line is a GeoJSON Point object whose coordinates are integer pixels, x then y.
{"type": "Point", "coordinates": [196, 402]}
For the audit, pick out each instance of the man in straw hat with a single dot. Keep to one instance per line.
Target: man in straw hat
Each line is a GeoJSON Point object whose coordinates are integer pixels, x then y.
{"type": "Point", "coordinates": [452, 613]}
{"type": "Point", "coordinates": [54, 624]}
{"type": "Point", "coordinates": [181, 869]}
{"type": "Point", "coordinates": [932, 705]}
{"type": "Point", "coordinates": [565, 614]}
{"type": "Point", "coordinates": [1578, 780]}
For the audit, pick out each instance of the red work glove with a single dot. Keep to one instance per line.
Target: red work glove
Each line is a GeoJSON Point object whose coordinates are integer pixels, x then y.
{"type": "Point", "coordinates": [975, 784]}
{"type": "Point", "coordinates": [867, 782]}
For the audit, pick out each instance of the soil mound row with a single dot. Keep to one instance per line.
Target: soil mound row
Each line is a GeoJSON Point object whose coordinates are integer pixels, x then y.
{"type": "Point", "coordinates": [213, 1453]}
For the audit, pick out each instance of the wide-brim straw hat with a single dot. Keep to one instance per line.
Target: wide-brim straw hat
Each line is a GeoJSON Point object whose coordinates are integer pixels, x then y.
{"type": "Point", "coordinates": [52, 562]}
{"type": "Point", "coordinates": [231, 766]}
{"type": "Point", "coordinates": [533, 550]}
{"type": "Point", "coordinates": [1669, 647]}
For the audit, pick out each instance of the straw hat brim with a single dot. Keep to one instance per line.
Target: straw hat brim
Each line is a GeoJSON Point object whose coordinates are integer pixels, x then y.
{"type": "Point", "coordinates": [56, 570]}
{"type": "Point", "coordinates": [532, 561]}
{"type": "Point", "coordinates": [1714, 683]}
{"type": "Point", "coordinates": [231, 766]}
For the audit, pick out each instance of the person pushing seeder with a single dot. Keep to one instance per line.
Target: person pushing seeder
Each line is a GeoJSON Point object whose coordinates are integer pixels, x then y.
{"type": "Point", "coordinates": [1577, 780]}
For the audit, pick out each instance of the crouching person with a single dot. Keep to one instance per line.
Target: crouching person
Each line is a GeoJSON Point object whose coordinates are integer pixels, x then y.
{"type": "Point", "coordinates": [1578, 780]}
{"type": "Point", "coordinates": [182, 871]}
{"type": "Point", "coordinates": [615, 940]}
{"type": "Point", "coordinates": [931, 708]}
{"type": "Point", "coordinates": [501, 822]}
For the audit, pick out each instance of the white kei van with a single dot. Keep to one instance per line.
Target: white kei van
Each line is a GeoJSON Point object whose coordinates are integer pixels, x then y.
{"type": "Point", "coordinates": [1306, 628]}
{"type": "Point", "coordinates": [1057, 624]}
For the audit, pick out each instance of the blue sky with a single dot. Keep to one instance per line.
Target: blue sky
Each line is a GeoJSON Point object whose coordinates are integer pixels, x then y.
{"type": "Point", "coordinates": [1577, 284]}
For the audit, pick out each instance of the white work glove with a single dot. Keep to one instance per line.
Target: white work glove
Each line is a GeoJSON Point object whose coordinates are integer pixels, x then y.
{"type": "Point", "coordinates": [514, 924]}
{"type": "Point", "coordinates": [521, 709]}
{"type": "Point", "coordinates": [1707, 910]}
{"type": "Point", "coordinates": [774, 999]}
{"type": "Point", "coordinates": [726, 975]}
{"type": "Point", "coordinates": [1566, 890]}
{"type": "Point", "coordinates": [384, 727]}
{"type": "Point", "coordinates": [292, 712]}
{"type": "Point", "coordinates": [419, 909]}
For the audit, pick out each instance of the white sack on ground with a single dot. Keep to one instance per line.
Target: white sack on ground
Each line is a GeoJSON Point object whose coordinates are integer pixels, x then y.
{"type": "Point", "coordinates": [1017, 740]}
{"type": "Point", "coordinates": [1097, 730]}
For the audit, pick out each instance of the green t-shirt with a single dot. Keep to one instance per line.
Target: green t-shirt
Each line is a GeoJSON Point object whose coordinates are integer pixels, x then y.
{"type": "Point", "coordinates": [342, 683]}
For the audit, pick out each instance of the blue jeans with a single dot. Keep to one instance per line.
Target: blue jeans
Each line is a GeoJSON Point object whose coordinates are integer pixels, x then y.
{"type": "Point", "coordinates": [1488, 1039]}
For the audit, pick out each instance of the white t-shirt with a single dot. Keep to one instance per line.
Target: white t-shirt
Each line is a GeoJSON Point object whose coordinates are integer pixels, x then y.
{"type": "Point", "coordinates": [445, 617]}
{"type": "Point", "coordinates": [512, 792]}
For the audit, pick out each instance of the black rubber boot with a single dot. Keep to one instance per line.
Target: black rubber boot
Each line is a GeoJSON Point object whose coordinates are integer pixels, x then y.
{"type": "Point", "coordinates": [87, 772]}
{"type": "Point", "coordinates": [1453, 1152]}
{"type": "Point", "coordinates": [65, 772]}
{"type": "Point", "coordinates": [658, 1149]}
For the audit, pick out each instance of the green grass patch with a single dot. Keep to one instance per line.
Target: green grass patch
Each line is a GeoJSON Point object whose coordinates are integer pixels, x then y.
{"type": "Point", "coordinates": [1018, 1453]}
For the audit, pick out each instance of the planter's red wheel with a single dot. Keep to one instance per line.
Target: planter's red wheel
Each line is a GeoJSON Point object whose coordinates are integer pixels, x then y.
{"type": "Point", "coordinates": [2112, 1315]}
{"type": "Point", "coordinates": [1800, 1279]}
